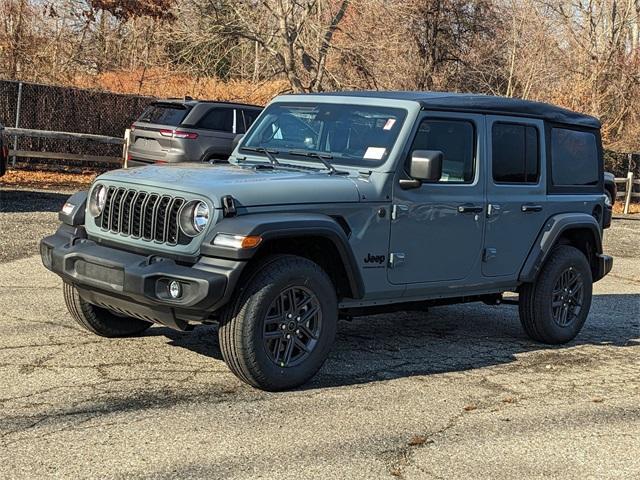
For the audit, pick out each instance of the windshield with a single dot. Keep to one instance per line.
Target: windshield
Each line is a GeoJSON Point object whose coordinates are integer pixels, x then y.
{"type": "Point", "coordinates": [348, 134]}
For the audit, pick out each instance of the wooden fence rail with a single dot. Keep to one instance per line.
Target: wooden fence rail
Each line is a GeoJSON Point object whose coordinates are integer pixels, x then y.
{"type": "Point", "coordinates": [26, 132]}
{"type": "Point", "coordinates": [628, 193]}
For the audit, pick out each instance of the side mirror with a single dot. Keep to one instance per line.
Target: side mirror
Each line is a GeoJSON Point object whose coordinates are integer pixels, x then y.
{"type": "Point", "coordinates": [426, 165]}
{"type": "Point", "coordinates": [236, 140]}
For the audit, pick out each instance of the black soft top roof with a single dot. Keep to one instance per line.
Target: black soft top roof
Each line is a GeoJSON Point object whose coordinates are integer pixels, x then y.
{"type": "Point", "coordinates": [469, 102]}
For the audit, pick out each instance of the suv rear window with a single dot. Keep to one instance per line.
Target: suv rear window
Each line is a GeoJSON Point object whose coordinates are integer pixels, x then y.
{"type": "Point", "coordinates": [574, 157]}
{"type": "Point", "coordinates": [164, 114]}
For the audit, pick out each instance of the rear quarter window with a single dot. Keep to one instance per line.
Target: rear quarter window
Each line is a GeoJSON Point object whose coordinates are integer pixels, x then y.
{"type": "Point", "coordinates": [574, 157]}
{"type": "Point", "coordinates": [164, 114]}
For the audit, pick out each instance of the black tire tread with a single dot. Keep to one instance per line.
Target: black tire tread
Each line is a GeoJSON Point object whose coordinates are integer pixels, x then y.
{"type": "Point", "coordinates": [532, 304]}
{"type": "Point", "coordinates": [240, 358]}
{"type": "Point", "coordinates": [99, 320]}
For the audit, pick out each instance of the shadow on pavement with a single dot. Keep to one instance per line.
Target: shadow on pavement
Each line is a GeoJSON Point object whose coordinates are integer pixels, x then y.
{"type": "Point", "coordinates": [446, 339]}
{"type": "Point", "coordinates": [22, 201]}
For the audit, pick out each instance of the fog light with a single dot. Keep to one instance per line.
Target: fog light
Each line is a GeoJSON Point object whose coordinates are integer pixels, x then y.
{"type": "Point", "coordinates": [175, 289]}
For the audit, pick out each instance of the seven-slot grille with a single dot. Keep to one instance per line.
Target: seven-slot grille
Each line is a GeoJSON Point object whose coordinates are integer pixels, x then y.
{"type": "Point", "coordinates": [144, 215]}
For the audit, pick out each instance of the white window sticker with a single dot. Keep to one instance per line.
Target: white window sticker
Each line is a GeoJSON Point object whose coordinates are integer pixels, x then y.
{"type": "Point", "coordinates": [375, 153]}
{"type": "Point", "coordinates": [389, 125]}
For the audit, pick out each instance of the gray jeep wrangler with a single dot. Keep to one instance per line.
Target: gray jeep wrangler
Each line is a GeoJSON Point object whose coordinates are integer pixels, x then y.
{"type": "Point", "coordinates": [345, 204]}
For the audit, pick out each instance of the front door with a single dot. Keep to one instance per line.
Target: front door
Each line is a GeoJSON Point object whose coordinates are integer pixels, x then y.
{"type": "Point", "coordinates": [516, 193]}
{"type": "Point", "coordinates": [437, 228]}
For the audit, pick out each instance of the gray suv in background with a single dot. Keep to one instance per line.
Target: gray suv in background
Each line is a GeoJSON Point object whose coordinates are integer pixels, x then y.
{"type": "Point", "coordinates": [171, 131]}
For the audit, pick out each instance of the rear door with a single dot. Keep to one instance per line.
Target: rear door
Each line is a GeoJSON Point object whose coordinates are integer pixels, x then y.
{"type": "Point", "coordinates": [516, 193]}
{"type": "Point", "coordinates": [217, 129]}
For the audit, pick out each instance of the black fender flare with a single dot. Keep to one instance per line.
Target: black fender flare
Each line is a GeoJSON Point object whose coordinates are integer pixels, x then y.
{"type": "Point", "coordinates": [272, 226]}
{"type": "Point", "coordinates": [553, 229]}
{"type": "Point", "coordinates": [75, 217]}
{"type": "Point", "coordinates": [215, 152]}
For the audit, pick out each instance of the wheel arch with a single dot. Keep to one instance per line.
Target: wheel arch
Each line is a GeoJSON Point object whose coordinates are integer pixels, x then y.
{"type": "Point", "coordinates": [215, 153]}
{"type": "Point", "coordinates": [579, 230]}
{"type": "Point", "coordinates": [320, 238]}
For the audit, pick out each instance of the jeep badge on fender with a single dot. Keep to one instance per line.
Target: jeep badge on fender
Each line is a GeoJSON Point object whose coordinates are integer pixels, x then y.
{"type": "Point", "coordinates": [486, 195]}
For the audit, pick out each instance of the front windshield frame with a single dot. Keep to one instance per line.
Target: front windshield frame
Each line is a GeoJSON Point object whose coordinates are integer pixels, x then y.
{"type": "Point", "coordinates": [383, 124]}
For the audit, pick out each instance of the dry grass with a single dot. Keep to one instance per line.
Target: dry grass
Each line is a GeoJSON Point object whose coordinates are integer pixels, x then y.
{"type": "Point", "coordinates": [46, 180]}
{"type": "Point", "coordinates": [618, 207]}
{"type": "Point", "coordinates": [163, 83]}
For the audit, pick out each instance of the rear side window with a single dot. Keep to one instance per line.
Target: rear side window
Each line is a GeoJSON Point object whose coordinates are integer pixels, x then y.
{"type": "Point", "coordinates": [456, 140]}
{"type": "Point", "coordinates": [515, 156]}
{"type": "Point", "coordinates": [574, 157]}
{"type": "Point", "coordinates": [249, 117]}
{"type": "Point", "coordinates": [164, 114]}
{"type": "Point", "coordinates": [220, 119]}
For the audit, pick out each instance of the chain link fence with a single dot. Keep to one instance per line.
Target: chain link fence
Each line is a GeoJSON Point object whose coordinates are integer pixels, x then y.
{"type": "Point", "coordinates": [621, 163]}
{"type": "Point", "coordinates": [65, 109]}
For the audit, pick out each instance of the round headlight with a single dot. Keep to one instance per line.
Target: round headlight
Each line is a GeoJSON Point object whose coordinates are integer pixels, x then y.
{"type": "Point", "coordinates": [98, 200]}
{"type": "Point", "coordinates": [200, 216]}
{"type": "Point", "coordinates": [194, 218]}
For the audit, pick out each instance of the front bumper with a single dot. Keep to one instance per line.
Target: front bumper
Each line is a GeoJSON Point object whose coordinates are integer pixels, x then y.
{"type": "Point", "coordinates": [137, 285]}
{"type": "Point", "coordinates": [603, 266]}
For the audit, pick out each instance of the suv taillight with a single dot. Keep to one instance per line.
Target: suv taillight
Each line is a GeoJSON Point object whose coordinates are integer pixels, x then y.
{"type": "Point", "coordinates": [5, 152]}
{"type": "Point", "coordinates": [178, 134]}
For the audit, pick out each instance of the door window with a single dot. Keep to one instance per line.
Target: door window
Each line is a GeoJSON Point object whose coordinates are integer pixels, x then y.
{"type": "Point", "coordinates": [515, 156]}
{"type": "Point", "coordinates": [456, 140]}
{"type": "Point", "coordinates": [220, 119]}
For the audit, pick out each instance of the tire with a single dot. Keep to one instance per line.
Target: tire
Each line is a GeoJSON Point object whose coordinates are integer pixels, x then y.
{"type": "Point", "coordinates": [100, 320]}
{"type": "Point", "coordinates": [555, 307]}
{"type": "Point", "coordinates": [610, 198]}
{"type": "Point", "coordinates": [215, 159]}
{"type": "Point", "coordinates": [253, 330]}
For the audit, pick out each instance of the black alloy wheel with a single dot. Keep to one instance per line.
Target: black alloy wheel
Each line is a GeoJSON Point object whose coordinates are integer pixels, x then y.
{"type": "Point", "coordinates": [292, 326]}
{"type": "Point", "coordinates": [567, 297]}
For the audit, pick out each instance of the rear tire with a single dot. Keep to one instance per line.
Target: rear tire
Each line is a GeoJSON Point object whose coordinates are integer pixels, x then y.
{"type": "Point", "coordinates": [279, 330]}
{"type": "Point", "coordinates": [610, 198]}
{"type": "Point", "coordinates": [554, 308]}
{"type": "Point", "coordinates": [100, 320]}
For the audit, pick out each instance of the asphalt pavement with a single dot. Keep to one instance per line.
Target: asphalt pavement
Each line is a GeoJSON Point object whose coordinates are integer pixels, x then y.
{"type": "Point", "coordinates": [456, 392]}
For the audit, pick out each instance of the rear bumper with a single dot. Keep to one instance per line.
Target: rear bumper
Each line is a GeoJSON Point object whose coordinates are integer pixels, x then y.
{"type": "Point", "coordinates": [604, 265]}
{"type": "Point", "coordinates": [137, 285]}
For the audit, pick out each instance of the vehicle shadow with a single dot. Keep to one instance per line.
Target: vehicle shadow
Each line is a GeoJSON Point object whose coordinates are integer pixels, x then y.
{"type": "Point", "coordinates": [25, 201]}
{"type": "Point", "coordinates": [445, 339]}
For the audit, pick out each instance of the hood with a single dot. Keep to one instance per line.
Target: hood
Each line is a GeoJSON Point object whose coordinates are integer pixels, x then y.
{"type": "Point", "coordinates": [248, 186]}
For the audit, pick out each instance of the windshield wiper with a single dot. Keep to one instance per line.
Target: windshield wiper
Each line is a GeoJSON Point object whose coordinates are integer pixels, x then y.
{"type": "Point", "coordinates": [269, 153]}
{"type": "Point", "coordinates": [323, 157]}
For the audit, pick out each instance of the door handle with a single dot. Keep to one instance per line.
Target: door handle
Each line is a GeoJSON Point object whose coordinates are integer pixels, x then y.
{"type": "Point", "coordinates": [470, 208]}
{"type": "Point", "coordinates": [526, 208]}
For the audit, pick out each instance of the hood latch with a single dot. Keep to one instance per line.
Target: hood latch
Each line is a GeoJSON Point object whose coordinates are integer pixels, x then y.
{"type": "Point", "coordinates": [228, 206]}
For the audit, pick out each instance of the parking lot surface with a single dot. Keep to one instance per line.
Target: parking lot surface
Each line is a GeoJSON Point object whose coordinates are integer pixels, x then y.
{"type": "Point", "coordinates": [457, 392]}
